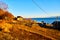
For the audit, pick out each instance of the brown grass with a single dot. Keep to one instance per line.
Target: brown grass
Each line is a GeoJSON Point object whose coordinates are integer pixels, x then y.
{"type": "Point", "coordinates": [11, 29]}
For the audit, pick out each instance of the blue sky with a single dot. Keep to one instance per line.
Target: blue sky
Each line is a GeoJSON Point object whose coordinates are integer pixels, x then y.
{"type": "Point", "coordinates": [27, 8]}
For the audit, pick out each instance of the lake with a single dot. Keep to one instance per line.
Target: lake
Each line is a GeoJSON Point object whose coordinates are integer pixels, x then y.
{"type": "Point", "coordinates": [46, 20]}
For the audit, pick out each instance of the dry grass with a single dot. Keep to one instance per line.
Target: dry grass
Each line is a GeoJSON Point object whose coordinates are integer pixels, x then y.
{"type": "Point", "coordinates": [11, 29]}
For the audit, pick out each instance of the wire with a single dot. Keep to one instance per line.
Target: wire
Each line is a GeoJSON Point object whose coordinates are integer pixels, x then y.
{"type": "Point", "coordinates": [39, 6]}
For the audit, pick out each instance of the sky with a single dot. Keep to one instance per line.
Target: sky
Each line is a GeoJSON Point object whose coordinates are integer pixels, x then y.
{"type": "Point", "coordinates": [27, 9]}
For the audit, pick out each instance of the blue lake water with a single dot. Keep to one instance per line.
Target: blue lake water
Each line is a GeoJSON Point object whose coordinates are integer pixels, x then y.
{"type": "Point", "coordinates": [46, 20]}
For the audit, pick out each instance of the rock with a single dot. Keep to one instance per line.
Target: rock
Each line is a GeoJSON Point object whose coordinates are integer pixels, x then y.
{"type": "Point", "coordinates": [56, 25]}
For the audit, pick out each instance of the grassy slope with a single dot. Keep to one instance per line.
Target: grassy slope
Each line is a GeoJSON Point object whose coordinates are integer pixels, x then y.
{"type": "Point", "coordinates": [17, 30]}
{"type": "Point", "coordinates": [22, 31]}
{"type": "Point", "coordinates": [49, 33]}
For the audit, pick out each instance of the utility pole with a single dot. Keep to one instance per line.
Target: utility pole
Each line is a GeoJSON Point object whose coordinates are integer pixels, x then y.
{"type": "Point", "coordinates": [57, 21]}
{"type": "Point", "coordinates": [57, 18]}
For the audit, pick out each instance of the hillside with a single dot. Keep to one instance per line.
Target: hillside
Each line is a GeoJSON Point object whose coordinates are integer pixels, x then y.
{"type": "Point", "coordinates": [19, 28]}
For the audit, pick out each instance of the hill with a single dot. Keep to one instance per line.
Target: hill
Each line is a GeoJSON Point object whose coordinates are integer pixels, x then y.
{"type": "Point", "coordinates": [19, 28]}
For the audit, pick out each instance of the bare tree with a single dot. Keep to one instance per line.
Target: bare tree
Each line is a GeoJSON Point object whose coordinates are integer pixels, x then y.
{"type": "Point", "coordinates": [3, 6]}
